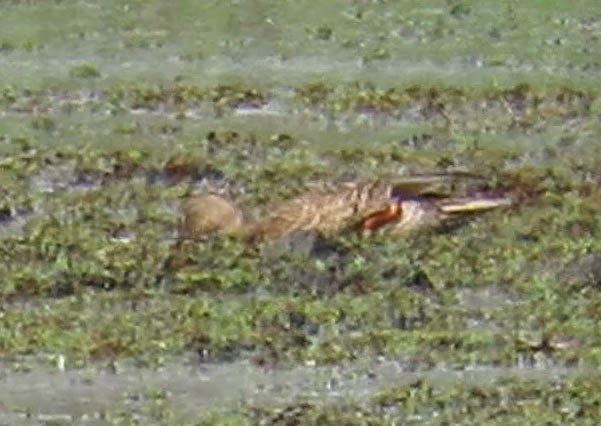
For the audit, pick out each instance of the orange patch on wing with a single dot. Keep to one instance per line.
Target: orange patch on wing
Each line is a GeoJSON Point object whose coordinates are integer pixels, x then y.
{"type": "Point", "coordinates": [381, 218]}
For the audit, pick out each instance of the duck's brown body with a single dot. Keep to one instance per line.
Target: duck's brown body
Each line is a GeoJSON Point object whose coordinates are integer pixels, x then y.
{"type": "Point", "coordinates": [394, 208]}
{"type": "Point", "coordinates": [204, 214]}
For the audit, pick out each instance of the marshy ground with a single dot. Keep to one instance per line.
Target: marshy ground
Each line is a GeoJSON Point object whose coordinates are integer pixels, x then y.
{"type": "Point", "coordinates": [110, 112]}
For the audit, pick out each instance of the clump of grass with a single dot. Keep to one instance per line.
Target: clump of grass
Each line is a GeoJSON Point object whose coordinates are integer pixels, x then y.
{"type": "Point", "coordinates": [86, 70]}
{"type": "Point", "coordinates": [43, 123]}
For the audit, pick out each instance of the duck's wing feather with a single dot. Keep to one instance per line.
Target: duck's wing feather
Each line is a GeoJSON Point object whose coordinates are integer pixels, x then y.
{"type": "Point", "coordinates": [328, 209]}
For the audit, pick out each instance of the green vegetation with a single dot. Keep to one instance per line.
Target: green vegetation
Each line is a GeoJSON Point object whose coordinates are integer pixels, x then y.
{"type": "Point", "coordinates": [104, 127]}
{"type": "Point", "coordinates": [85, 71]}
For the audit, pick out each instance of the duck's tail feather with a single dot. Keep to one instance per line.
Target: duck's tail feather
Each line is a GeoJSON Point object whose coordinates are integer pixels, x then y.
{"type": "Point", "coordinates": [205, 214]}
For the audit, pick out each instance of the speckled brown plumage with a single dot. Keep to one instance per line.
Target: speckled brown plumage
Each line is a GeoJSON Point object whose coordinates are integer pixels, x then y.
{"type": "Point", "coordinates": [203, 214]}
{"type": "Point", "coordinates": [395, 208]}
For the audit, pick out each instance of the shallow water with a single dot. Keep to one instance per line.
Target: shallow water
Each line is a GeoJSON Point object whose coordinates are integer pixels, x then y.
{"type": "Point", "coordinates": [195, 389]}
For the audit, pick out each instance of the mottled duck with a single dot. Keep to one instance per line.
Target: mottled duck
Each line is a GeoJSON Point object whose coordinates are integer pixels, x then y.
{"type": "Point", "coordinates": [396, 208]}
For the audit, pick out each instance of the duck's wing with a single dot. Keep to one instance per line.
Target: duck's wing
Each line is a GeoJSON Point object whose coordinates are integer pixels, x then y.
{"type": "Point", "coordinates": [434, 185]}
{"type": "Point", "coordinates": [328, 209]}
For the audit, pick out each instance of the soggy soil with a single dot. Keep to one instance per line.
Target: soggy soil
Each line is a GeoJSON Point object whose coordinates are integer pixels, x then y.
{"type": "Point", "coordinates": [192, 389]}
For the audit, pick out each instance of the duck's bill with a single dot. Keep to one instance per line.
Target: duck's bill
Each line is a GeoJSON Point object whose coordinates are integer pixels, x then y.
{"type": "Point", "coordinates": [473, 205]}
